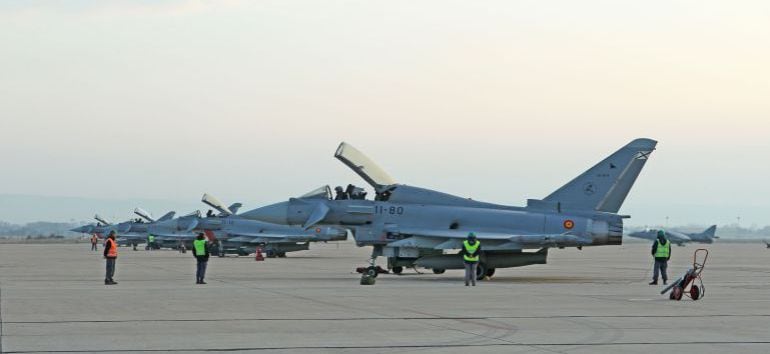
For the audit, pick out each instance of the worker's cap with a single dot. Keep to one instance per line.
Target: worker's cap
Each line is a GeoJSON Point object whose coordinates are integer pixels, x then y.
{"type": "Point", "coordinates": [112, 232]}
{"type": "Point", "coordinates": [471, 236]}
{"type": "Point", "coordinates": [661, 233]}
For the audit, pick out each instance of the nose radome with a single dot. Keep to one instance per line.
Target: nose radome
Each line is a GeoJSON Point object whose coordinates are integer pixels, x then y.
{"type": "Point", "coordinates": [274, 213]}
{"type": "Point", "coordinates": [82, 229]}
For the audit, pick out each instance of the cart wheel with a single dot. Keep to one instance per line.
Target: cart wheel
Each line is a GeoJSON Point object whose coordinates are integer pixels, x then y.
{"type": "Point", "coordinates": [695, 292]}
{"type": "Point", "coordinates": [676, 293]}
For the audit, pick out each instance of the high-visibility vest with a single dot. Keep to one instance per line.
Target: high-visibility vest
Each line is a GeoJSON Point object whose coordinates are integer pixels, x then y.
{"type": "Point", "coordinates": [151, 238]}
{"type": "Point", "coordinates": [200, 247]}
{"type": "Point", "coordinates": [663, 250]}
{"type": "Point", "coordinates": [470, 249]}
{"type": "Point", "coordinates": [112, 248]}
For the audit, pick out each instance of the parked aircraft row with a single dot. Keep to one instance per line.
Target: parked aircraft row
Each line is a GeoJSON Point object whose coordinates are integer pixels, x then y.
{"type": "Point", "coordinates": [228, 232]}
{"type": "Point", "coordinates": [417, 227]}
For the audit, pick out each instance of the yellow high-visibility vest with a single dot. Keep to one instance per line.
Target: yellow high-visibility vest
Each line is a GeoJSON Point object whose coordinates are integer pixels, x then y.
{"type": "Point", "coordinates": [200, 247]}
{"type": "Point", "coordinates": [663, 250]}
{"type": "Point", "coordinates": [470, 249]}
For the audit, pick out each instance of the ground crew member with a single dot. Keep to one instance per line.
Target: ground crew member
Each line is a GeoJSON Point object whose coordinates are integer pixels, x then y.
{"type": "Point", "coordinates": [94, 240]}
{"type": "Point", "coordinates": [661, 250]}
{"type": "Point", "coordinates": [470, 252]}
{"type": "Point", "coordinates": [150, 242]}
{"type": "Point", "coordinates": [201, 253]}
{"type": "Point", "coordinates": [110, 254]}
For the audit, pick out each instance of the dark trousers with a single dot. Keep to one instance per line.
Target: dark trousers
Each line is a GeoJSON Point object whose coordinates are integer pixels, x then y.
{"type": "Point", "coordinates": [660, 267]}
{"type": "Point", "coordinates": [200, 273]}
{"type": "Point", "coordinates": [110, 268]}
{"type": "Point", "coordinates": [93, 247]}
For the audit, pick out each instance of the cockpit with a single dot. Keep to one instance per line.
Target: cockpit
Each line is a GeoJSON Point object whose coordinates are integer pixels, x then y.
{"type": "Point", "coordinates": [196, 214]}
{"type": "Point", "coordinates": [385, 187]}
{"type": "Point", "coordinates": [362, 165]}
{"type": "Point", "coordinates": [351, 192]}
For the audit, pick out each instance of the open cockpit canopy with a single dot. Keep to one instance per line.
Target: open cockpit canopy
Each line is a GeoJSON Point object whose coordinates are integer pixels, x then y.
{"type": "Point", "coordinates": [364, 167]}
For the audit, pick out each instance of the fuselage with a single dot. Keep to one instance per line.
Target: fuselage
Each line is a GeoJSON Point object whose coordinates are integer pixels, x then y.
{"type": "Point", "coordinates": [378, 222]}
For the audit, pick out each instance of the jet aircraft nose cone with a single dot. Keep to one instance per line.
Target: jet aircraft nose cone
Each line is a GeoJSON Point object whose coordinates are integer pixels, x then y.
{"type": "Point", "coordinates": [82, 229]}
{"type": "Point", "coordinates": [274, 213]}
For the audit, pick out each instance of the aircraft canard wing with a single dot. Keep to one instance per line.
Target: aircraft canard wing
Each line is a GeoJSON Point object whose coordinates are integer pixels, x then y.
{"type": "Point", "coordinates": [123, 228]}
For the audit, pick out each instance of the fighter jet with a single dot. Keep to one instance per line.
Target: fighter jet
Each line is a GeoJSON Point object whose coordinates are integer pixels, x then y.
{"type": "Point", "coordinates": [131, 232]}
{"type": "Point", "coordinates": [679, 238]}
{"type": "Point", "coordinates": [242, 236]}
{"type": "Point", "coordinates": [414, 226]}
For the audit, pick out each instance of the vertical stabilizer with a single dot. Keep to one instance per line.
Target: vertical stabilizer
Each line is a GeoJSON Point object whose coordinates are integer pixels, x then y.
{"type": "Point", "coordinates": [168, 216]}
{"type": "Point", "coordinates": [605, 186]}
{"type": "Point", "coordinates": [707, 235]}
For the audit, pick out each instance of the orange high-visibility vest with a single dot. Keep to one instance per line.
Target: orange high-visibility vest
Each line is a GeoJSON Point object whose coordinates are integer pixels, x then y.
{"type": "Point", "coordinates": [112, 248]}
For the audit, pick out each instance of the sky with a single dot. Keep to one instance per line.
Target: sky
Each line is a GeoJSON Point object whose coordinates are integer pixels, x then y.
{"type": "Point", "coordinates": [104, 101]}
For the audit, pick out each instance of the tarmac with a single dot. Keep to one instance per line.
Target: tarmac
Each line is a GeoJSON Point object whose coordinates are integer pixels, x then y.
{"type": "Point", "coordinates": [52, 299]}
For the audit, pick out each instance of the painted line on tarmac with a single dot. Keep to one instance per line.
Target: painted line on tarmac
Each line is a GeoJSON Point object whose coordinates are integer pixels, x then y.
{"type": "Point", "coordinates": [388, 318]}
{"type": "Point", "coordinates": [403, 346]}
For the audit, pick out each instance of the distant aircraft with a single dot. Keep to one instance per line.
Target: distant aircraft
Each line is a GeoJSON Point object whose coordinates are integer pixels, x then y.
{"type": "Point", "coordinates": [242, 236]}
{"type": "Point", "coordinates": [414, 226]}
{"type": "Point", "coordinates": [132, 232]}
{"type": "Point", "coordinates": [679, 238]}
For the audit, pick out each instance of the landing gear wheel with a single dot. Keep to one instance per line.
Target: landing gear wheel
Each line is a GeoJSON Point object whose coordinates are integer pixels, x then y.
{"type": "Point", "coordinates": [481, 271]}
{"type": "Point", "coordinates": [490, 272]}
{"type": "Point", "coordinates": [281, 254]}
{"type": "Point", "coordinates": [398, 269]}
{"type": "Point", "coordinates": [695, 292]}
{"type": "Point", "coordinates": [438, 271]}
{"type": "Point", "coordinates": [676, 293]}
{"type": "Point", "coordinates": [372, 271]}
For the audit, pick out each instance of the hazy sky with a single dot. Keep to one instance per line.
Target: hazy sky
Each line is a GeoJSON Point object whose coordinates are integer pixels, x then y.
{"type": "Point", "coordinates": [495, 100]}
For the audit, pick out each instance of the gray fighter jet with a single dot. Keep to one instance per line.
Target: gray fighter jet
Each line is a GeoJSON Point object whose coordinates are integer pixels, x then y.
{"type": "Point", "coordinates": [242, 236]}
{"type": "Point", "coordinates": [132, 232]}
{"type": "Point", "coordinates": [679, 238]}
{"type": "Point", "coordinates": [414, 226]}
